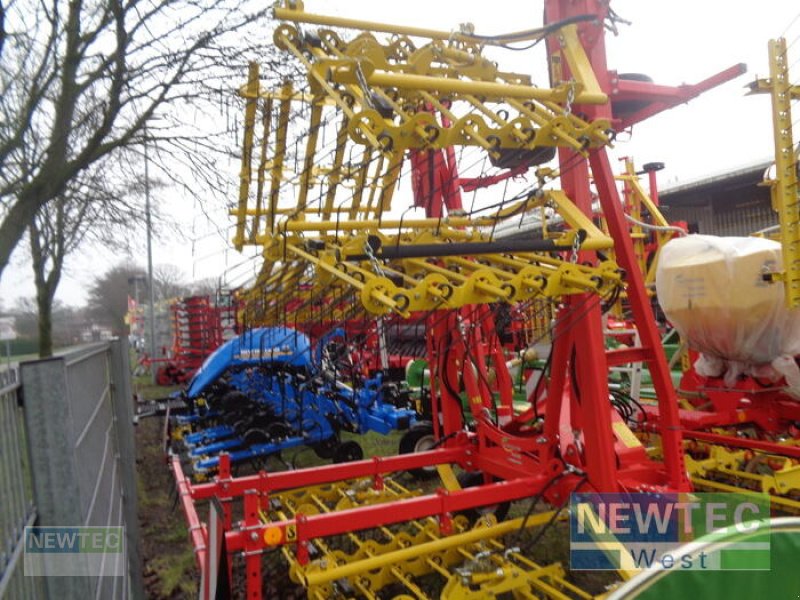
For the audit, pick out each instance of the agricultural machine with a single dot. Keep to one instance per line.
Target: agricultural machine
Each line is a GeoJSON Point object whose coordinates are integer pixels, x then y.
{"type": "Point", "coordinates": [198, 325]}
{"type": "Point", "coordinates": [268, 390]}
{"type": "Point", "coordinates": [340, 247]}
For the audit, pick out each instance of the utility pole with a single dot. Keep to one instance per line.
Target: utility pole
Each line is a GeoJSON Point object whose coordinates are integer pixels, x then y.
{"type": "Point", "coordinates": [149, 258]}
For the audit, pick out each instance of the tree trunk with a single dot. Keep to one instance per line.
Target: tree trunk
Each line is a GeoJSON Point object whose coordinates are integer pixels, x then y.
{"type": "Point", "coordinates": [46, 249]}
{"type": "Point", "coordinates": [15, 222]}
{"type": "Point", "coordinates": [44, 303]}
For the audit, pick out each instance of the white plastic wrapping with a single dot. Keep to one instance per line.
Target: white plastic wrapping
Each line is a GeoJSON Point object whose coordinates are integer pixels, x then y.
{"type": "Point", "coordinates": [712, 290]}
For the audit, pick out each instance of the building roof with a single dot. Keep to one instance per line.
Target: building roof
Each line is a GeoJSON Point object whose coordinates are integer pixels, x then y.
{"type": "Point", "coordinates": [734, 178]}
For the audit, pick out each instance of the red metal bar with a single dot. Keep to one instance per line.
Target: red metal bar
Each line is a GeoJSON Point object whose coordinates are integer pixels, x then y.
{"type": "Point", "coordinates": [653, 183]}
{"type": "Point", "coordinates": [197, 530]}
{"type": "Point", "coordinates": [622, 356]}
{"type": "Point", "coordinates": [253, 548]}
{"type": "Point", "coordinates": [274, 482]}
{"type": "Point", "coordinates": [558, 387]}
{"type": "Point", "coordinates": [661, 102]}
{"type": "Point", "coordinates": [591, 400]}
{"type": "Point", "coordinates": [368, 517]}
{"type": "Point", "coordinates": [669, 422]}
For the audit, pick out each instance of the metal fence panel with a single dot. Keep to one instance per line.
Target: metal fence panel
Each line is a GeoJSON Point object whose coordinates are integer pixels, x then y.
{"type": "Point", "coordinates": [78, 415]}
{"type": "Point", "coordinates": [16, 497]}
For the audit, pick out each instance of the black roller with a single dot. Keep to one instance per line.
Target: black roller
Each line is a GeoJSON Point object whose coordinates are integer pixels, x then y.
{"type": "Point", "coordinates": [393, 251]}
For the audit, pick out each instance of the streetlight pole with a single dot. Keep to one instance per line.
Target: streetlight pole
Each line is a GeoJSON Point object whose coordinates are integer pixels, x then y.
{"type": "Point", "coordinates": [149, 257]}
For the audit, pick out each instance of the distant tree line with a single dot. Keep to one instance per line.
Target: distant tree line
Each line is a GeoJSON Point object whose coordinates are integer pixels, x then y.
{"type": "Point", "coordinates": [106, 307]}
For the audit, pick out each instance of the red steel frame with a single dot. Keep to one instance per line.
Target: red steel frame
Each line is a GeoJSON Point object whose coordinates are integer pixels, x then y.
{"type": "Point", "coordinates": [198, 328]}
{"type": "Point", "coordinates": [578, 425]}
{"type": "Point", "coordinates": [746, 404]}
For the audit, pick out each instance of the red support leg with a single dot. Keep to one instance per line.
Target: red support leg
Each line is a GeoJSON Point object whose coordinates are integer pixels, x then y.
{"type": "Point", "coordinates": [669, 422]}
{"type": "Point", "coordinates": [252, 563]}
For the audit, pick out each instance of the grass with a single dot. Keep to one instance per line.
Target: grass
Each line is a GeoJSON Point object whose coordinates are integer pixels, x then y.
{"type": "Point", "coordinates": [172, 575]}
{"type": "Point", "coordinates": [169, 560]}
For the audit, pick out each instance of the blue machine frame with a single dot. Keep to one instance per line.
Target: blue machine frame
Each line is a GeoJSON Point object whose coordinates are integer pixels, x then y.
{"type": "Point", "coordinates": [285, 396]}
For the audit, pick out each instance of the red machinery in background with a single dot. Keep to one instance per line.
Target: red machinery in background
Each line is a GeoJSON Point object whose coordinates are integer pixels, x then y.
{"type": "Point", "coordinates": [199, 324]}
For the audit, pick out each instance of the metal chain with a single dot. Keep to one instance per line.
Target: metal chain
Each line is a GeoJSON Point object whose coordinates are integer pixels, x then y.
{"type": "Point", "coordinates": [576, 246]}
{"type": "Point", "coordinates": [376, 265]}
{"type": "Point", "coordinates": [362, 83]}
{"type": "Point", "coordinates": [570, 98]}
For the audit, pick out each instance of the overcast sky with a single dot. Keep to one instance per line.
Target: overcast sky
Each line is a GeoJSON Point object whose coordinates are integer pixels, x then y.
{"type": "Point", "coordinates": [674, 42]}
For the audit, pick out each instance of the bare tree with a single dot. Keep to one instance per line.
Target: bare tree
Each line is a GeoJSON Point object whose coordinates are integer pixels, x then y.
{"type": "Point", "coordinates": [168, 282]}
{"type": "Point", "coordinates": [79, 81]}
{"type": "Point", "coordinates": [108, 296]}
{"type": "Point", "coordinates": [206, 287]}
{"type": "Point", "coordinates": [91, 209]}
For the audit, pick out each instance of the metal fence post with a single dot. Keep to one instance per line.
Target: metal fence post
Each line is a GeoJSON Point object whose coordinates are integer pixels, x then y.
{"type": "Point", "coordinates": [56, 491]}
{"type": "Point", "coordinates": [122, 405]}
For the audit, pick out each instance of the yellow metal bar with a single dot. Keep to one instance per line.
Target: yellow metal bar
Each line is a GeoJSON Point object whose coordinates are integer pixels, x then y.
{"type": "Point", "coordinates": [262, 166]}
{"type": "Point", "coordinates": [308, 166]}
{"type": "Point", "coordinates": [247, 154]}
{"type": "Point", "coordinates": [280, 152]}
{"type": "Point", "coordinates": [389, 184]}
{"type": "Point", "coordinates": [299, 16]}
{"type": "Point", "coordinates": [785, 194]}
{"type": "Point", "coordinates": [361, 179]}
{"type": "Point", "coordinates": [375, 224]}
{"type": "Point", "coordinates": [577, 219]}
{"type": "Point", "coordinates": [374, 186]}
{"type": "Point", "coordinates": [794, 505]}
{"type": "Point", "coordinates": [644, 198]}
{"type": "Point", "coordinates": [458, 86]}
{"type": "Point", "coordinates": [454, 541]}
{"type": "Point", "coordinates": [244, 92]}
{"type": "Point", "coordinates": [335, 174]}
{"type": "Point", "coordinates": [448, 477]}
{"type": "Point", "coordinates": [599, 242]}
{"type": "Point", "coordinates": [580, 67]}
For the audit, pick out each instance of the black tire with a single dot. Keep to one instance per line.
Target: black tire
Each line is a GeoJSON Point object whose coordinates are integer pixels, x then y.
{"type": "Point", "coordinates": [254, 437]}
{"type": "Point", "coordinates": [348, 451]}
{"type": "Point", "coordinates": [241, 426]}
{"type": "Point", "coordinates": [326, 448]}
{"type": "Point", "coordinates": [278, 431]}
{"type": "Point", "coordinates": [419, 439]}
{"type": "Point", "coordinates": [232, 401]}
{"type": "Point", "coordinates": [470, 479]}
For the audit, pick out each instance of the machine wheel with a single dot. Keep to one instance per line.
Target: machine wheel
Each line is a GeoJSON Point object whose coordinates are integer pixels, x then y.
{"type": "Point", "coordinates": [255, 437]}
{"type": "Point", "coordinates": [470, 479]}
{"type": "Point", "coordinates": [348, 452]}
{"type": "Point", "coordinates": [419, 439]}
{"type": "Point", "coordinates": [326, 448]}
{"type": "Point", "coordinates": [231, 401]}
{"type": "Point", "coordinates": [278, 431]}
{"type": "Point", "coordinates": [242, 426]}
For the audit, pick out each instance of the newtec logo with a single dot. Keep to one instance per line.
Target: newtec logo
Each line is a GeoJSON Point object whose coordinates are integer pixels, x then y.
{"type": "Point", "coordinates": [70, 551]}
{"type": "Point", "coordinates": [640, 531]}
